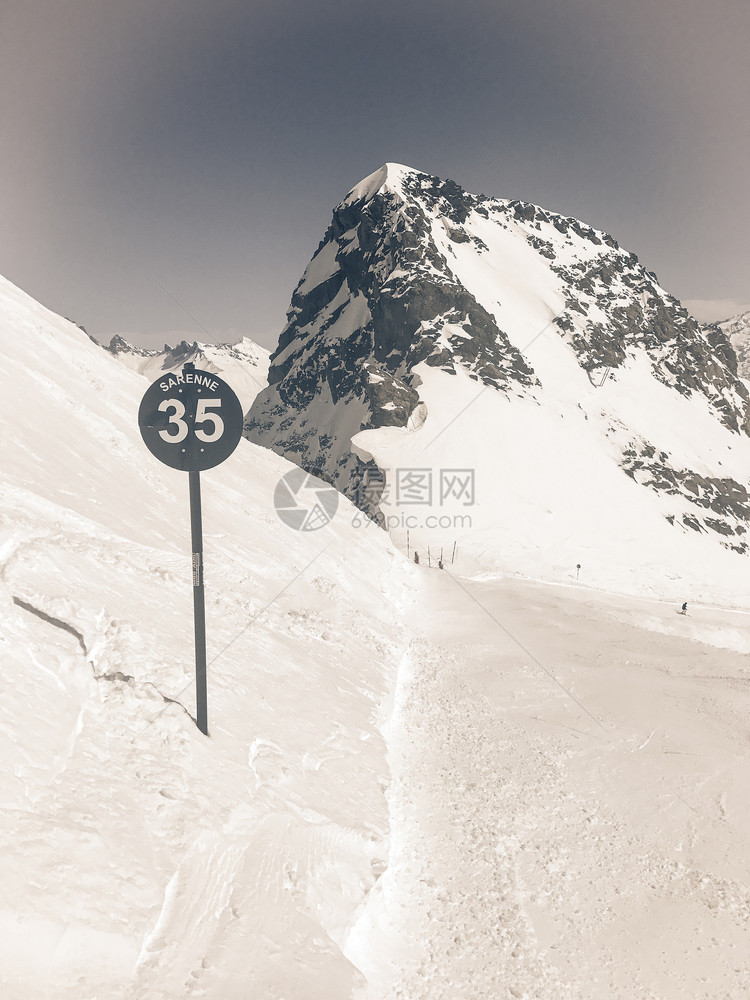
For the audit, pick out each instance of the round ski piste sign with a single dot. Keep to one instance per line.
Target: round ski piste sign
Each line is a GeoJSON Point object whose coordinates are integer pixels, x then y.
{"type": "Point", "coordinates": [190, 420]}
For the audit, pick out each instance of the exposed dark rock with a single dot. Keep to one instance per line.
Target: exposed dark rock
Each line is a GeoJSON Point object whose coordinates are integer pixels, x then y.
{"type": "Point", "coordinates": [725, 497]}
{"type": "Point", "coordinates": [683, 355]}
{"type": "Point", "coordinates": [118, 345]}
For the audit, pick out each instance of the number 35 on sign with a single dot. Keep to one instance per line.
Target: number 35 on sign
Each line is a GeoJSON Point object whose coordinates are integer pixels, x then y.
{"type": "Point", "coordinates": [190, 420]}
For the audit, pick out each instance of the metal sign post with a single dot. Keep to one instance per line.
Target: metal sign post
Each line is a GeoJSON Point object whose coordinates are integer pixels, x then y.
{"type": "Point", "coordinates": [199, 603]}
{"type": "Point", "coordinates": [192, 421]}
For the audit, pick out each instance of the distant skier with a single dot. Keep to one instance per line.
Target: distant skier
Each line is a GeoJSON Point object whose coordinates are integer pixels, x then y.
{"type": "Point", "coordinates": [683, 609]}
{"type": "Point", "coordinates": [416, 558]}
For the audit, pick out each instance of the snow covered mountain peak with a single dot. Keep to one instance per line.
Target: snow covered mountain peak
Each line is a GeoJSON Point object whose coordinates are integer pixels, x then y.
{"type": "Point", "coordinates": [390, 176]}
{"type": "Point", "coordinates": [422, 296]}
{"type": "Point", "coordinates": [244, 364]}
{"type": "Point", "coordinates": [737, 330]}
{"type": "Point", "coordinates": [422, 270]}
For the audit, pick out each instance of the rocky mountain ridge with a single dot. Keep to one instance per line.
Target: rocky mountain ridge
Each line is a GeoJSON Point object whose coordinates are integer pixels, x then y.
{"type": "Point", "coordinates": [244, 364]}
{"type": "Point", "coordinates": [737, 330]}
{"type": "Point", "coordinates": [416, 274]}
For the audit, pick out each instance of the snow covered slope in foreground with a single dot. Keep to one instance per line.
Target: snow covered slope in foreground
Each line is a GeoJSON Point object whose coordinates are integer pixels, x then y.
{"type": "Point", "coordinates": [569, 812]}
{"type": "Point", "coordinates": [417, 787]}
{"type": "Point", "coordinates": [140, 859]}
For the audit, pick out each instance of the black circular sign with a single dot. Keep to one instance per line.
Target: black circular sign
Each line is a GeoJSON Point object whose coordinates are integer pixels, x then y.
{"type": "Point", "coordinates": [190, 420]}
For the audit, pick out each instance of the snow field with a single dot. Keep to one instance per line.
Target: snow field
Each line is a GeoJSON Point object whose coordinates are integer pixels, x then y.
{"type": "Point", "coordinates": [416, 787]}
{"type": "Point", "coordinates": [581, 835]}
{"type": "Point", "coordinates": [138, 858]}
{"type": "Point", "coordinates": [547, 496]}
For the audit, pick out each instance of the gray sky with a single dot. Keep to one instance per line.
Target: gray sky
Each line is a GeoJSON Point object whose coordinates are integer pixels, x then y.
{"type": "Point", "coordinates": [199, 146]}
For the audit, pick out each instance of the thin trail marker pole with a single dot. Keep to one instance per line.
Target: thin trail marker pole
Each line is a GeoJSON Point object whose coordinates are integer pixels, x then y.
{"type": "Point", "coordinates": [199, 603]}
{"type": "Point", "coordinates": [453, 557]}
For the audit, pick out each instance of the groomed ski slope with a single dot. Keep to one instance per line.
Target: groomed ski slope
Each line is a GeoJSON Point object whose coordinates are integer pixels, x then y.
{"type": "Point", "coordinates": [417, 786]}
{"type": "Point", "coordinates": [568, 809]}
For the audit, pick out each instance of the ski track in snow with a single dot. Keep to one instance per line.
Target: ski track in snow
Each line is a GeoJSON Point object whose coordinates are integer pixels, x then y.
{"type": "Point", "coordinates": [450, 903]}
{"type": "Point", "coordinates": [517, 866]}
{"type": "Point", "coordinates": [534, 855]}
